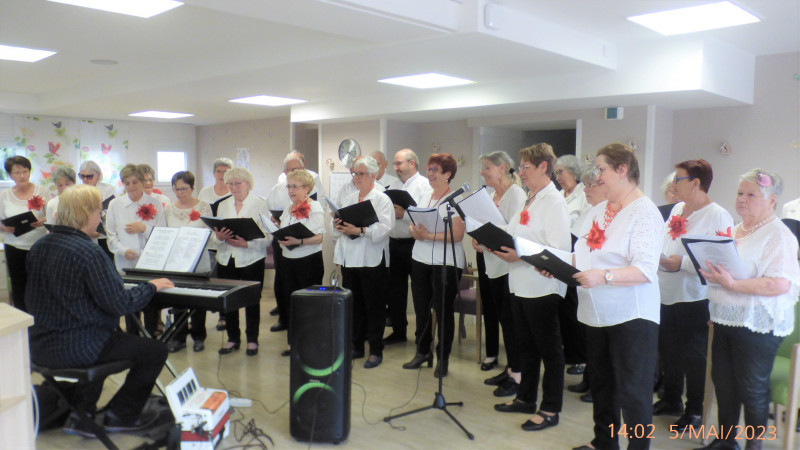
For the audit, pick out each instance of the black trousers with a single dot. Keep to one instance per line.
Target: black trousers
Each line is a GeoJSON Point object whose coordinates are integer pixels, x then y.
{"type": "Point", "coordinates": [196, 327]}
{"type": "Point", "coordinates": [539, 337]}
{"type": "Point", "coordinates": [491, 322]}
{"type": "Point", "coordinates": [277, 284]}
{"type": "Point", "coordinates": [741, 362]}
{"type": "Point", "coordinates": [426, 290]}
{"type": "Point", "coordinates": [682, 348]}
{"type": "Point", "coordinates": [369, 305]}
{"type": "Point", "coordinates": [572, 332]}
{"type": "Point", "coordinates": [622, 358]}
{"type": "Point", "coordinates": [253, 272]}
{"type": "Point", "coordinates": [397, 283]}
{"type": "Point", "coordinates": [148, 357]}
{"type": "Point", "coordinates": [502, 302]}
{"type": "Point", "coordinates": [17, 274]}
{"type": "Point", "coordinates": [299, 273]}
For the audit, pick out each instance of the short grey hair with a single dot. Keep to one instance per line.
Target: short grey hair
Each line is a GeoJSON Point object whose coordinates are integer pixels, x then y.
{"type": "Point", "coordinates": [368, 162]}
{"type": "Point", "coordinates": [227, 162]}
{"type": "Point", "coordinates": [589, 175]}
{"type": "Point", "coordinates": [571, 163]}
{"type": "Point", "coordinates": [93, 166]}
{"type": "Point", "coordinates": [64, 172]}
{"type": "Point", "coordinates": [411, 156]}
{"type": "Point", "coordinates": [239, 173]}
{"type": "Point", "coordinates": [668, 182]}
{"type": "Point", "coordinates": [378, 153]}
{"type": "Point", "coordinates": [293, 156]}
{"type": "Point", "coordinates": [760, 177]}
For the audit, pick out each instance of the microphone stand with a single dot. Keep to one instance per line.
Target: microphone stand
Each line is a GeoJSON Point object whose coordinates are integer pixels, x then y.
{"type": "Point", "coordinates": [439, 401]}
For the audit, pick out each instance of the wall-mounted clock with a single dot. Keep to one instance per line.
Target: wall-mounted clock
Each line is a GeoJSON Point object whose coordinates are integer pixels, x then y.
{"type": "Point", "coordinates": [348, 150]}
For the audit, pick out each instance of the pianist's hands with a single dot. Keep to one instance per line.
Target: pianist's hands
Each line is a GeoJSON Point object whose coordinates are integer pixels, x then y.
{"type": "Point", "coordinates": [161, 283]}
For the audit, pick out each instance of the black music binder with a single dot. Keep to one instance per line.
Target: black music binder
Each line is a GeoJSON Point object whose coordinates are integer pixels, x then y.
{"type": "Point", "coordinates": [794, 227]}
{"type": "Point", "coordinates": [215, 205]}
{"type": "Point", "coordinates": [400, 198]}
{"type": "Point", "coordinates": [296, 230]}
{"type": "Point", "coordinates": [492, 237]}
{"type": "Point", "coordinates": [560, 269]}
{"type": "Point", "coordinates": [246, 228]}
{"type": "Point", "coordinates": [22, 223]}
{"type": "Point", "coordinates": [361, 214]}
{"type": "Point", "coordinates": [276, 214]}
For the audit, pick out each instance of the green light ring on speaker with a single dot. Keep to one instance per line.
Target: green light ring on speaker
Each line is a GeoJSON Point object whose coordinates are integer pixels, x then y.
{"type": "Point", "coordinates": [326, 371]}
{"type": "Point", "coordinates": [313, 385]}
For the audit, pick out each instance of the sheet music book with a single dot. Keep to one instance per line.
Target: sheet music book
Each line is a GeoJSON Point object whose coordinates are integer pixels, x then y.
{"type": "Point", "coordinates": [276, 213]}
{"type": "Point", "coordinates": [400, 198]}
{"type": "Point", "coordinates": [718, 250]}
{"type": "Point", "coordinates": [427, 217]}
{"type": "Point", "coordinates": [174, 249]}
{"type": "Point", "coordinates": [361, 214]}
{"type": "Point", "coordinates": [488, 234]}
{"type": "Point", "coordinates": [22, 223]}
{"type": "Point", "coordinates": [215, 205]}
{"type": "Point", "coordinates": [479, 206]}
{"type": "Point", "coordinates": [334, 207]}
{"type": "Point", "coordinates": [546, 258]}
{"type": "Point", "coordinates": [296, 230]}
{"type": "Point", "coordinates": [244, 227]}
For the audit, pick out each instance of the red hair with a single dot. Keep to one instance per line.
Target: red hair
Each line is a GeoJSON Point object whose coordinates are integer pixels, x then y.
{"type": "Point", "coordinates": [446, 162]}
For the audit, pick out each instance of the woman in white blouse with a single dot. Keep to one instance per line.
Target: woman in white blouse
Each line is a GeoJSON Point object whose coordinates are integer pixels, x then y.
{"type": "Point", "coordinates": [683, 334]}
{"type": "Point", "coordinates": [568, 175]}
{"type": "Point", "coordinates": [149, 185]}
{"type": "Point", "coordinates": [617, 252]}
{"type": "Point", "coordinates": [302, 264]}
{"type": "Point", "coordinates": [63, 177]}
{"type": "Point", "coordinates": [218, 190]}
{"type": "Point", "coordinates": [240, 259]}
{"type": "Point", "coordinates": [23, 197]}
{"type": "Point", "coordinates": [426, 269]}
{"type": "Point", "coordinates": [544, 220]}
{"type": "Point", "coordinates": [751, 316]}
{"type": "Point", "coordinates": [186, 212]}
{"type": "Point", "coordinates": [129, 221]}
{"type": "Point", "coordinates": [498, 172]}
{"type": "Point", "coordinates": [364, 260]}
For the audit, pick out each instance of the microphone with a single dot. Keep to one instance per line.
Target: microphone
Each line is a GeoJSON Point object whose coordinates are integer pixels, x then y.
{"type": "Point", "coordinates": [451, 199]}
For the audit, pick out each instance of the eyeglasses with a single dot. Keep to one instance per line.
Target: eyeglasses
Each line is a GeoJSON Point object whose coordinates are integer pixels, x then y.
{"type": "Point", "coordinates": [676, 179]}
{"type": "Point", "coordinates": [358, 174]}
{"type": "Point", "coordinates": [234, 183]}
{"type": "Point", "coordinates": [433, 169]}
{"type": "Point", "coordinates": [86, 176]}
{"type": "Point", "coordinates": [295, 186]}
{"type": "Point", "coordinates": [183, 189]}
{"type": "Point", "coordinates": [559, 171]}
{"type": "Point", "coordinates": [20, 172]}
{"type": "Point", "coordinates": [599, 170]}
{"type": "Point", "coordinates": [525, 167]}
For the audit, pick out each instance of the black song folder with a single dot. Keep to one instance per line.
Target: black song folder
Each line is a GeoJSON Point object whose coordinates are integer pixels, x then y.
{"type": "Point", "coordinates": [245, 228]}
{"type": "Point", "coordinates": [400, 198]}
{"type": "Point", "coordinates": [555, 265]}
{"type": "Point", "coordinates": [296, 230]}
{"type": "Point", "coordinates": [22, 223]}
{"type": "Point", "coordinates": [492, 237]}
{"type": "Point", "coordinates": [361, 214]}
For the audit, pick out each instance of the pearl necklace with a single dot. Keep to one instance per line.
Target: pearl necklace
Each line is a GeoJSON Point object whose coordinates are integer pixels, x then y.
{"type": "Point", "coordinates": [756, 226]}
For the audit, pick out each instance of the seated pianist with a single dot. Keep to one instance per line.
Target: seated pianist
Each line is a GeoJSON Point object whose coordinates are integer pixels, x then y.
{"type": "Point", "coordinates": [77, 298]}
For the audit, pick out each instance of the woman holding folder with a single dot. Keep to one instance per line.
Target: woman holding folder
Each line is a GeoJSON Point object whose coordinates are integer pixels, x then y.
{"type": "Point", "coordinates": [302, 257]}
{"type": "Point", "coordinates": [544, 220]}
{"type": "Point", "coordinates": [240, 259]}
{"type": "Point", "coordinates": [751, 316]}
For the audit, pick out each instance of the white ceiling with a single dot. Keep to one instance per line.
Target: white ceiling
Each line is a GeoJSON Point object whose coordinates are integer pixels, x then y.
{"type": "Point", "coordinates": [546, 55]}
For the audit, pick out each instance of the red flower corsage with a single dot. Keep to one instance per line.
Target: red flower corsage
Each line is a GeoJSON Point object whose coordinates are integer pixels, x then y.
{"type": "Point", "coordinates": [36, 203]}
{"type": "Point", "coordinates": [157, 191]}
{"type": "Point", "coordinates": [146, 212]}
{"type": "Point", "coordinates": [677, 226]}
{"type": "Point", "coordinates": [194, 215]}
{"type": "Point", "coordinates": [301, 211]}
{"type": "Point", "coordinates": [726, 233]}
{"type": "Point", "coordinates": [524, 217]}
{"type": "Point", "coordinates": [596, 238]}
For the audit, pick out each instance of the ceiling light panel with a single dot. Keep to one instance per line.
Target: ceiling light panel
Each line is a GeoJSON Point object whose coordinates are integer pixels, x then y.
{"type": "Point", "coordinates": [160, 115]}
{"type": "Point", "coordinates": [695, 18]}
{"type": "Point", "coordinates": [23, 54]}
{"type": "Point", "coordinates": [138, 8]}
{"type": "Point", "coordinates": [426, 81]}
{"type": "Point", "coordinates": [266, 100]}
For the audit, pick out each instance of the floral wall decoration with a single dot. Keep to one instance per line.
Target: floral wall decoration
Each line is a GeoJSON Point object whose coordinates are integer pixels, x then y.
{"type": "Point", "coordinates": [105, 143]}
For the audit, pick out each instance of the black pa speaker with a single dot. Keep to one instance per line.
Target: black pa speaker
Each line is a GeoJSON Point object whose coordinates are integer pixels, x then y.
{"type": "Point", "coordinates": [319, 384]}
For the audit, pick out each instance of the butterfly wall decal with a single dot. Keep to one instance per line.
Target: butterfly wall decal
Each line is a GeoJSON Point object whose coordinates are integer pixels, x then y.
{"type": "Point", "coordinates": [56, 124]}
{"type": "Point", "coordinates": [54, 148]}
{"type": "Point", "coordinates": [106, 148]}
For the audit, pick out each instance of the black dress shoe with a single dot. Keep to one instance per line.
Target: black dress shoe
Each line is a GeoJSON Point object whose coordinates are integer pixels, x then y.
{"type": "Point", "coordinates": [221, 325]}
{"type": "Point", "coordinates": [517, 406]}
{"type": "Point", "coordinates": [441, 369]}
{"type": "Point", "coordinates": [665, 408]}
{"type": "Point", "coordinates": [226, 350]}
{"type": "Point", "coordinates": [395, 338]}
{"type": "Point", "coordinates": [576, 369]}
{"type": "Point", "coordinates": [686, 421]}
{"type": "Point", "coordinates": [373, 361]}
{"type": "Point", "coordinates": [273, 311]}
{"type": "Point", "coordinates": [114, 424]}
{"type": "Point", "coordinates": [198, 346]}
{"type": "Point", "coordinates": [280, 326]}
{"type": "Point", "coordinates": [251, 351]}
{"type": "Point", "coordinates": [498, 379]}
{"type": "Point", "coordinates": [176, 346]}
{"type": "Point", "coordinates": [286, 352]}
{"type": "Point", "coordinates": [579, 388]}
{"type": "Point", "coordinates": [418, 360]}
{"type": "Point", "coordinates": [357, 354]}
{"type": "Point", "coordinates": [507, 388]}
{"type": "Point", "coordinates": [587, 398]}
{"type": "Point", "coordinates": [549, 421]}
{"type": "Point", "coordinates": [583, 447]}
{"type": "Point", "coordinates": [487, 366]}
{"type": "Point", "coordinates": [76, 427]}
{"type": "Point", "coordinates": [720, 444]}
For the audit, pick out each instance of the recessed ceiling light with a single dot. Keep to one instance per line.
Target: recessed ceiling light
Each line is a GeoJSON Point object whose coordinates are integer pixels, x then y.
{"type": "Point", "coordinates": [160, 115]}
{"type": "Point", "coordinates": [23, 54]}
{"type": "Point", "coordinates": [266, 100]}
{"type": "Point", "coordinates": [426, 81]}
{"type": "Point", "coordinates": [138, 8]}
{"type": "Point", "coordinates": [695, 18]}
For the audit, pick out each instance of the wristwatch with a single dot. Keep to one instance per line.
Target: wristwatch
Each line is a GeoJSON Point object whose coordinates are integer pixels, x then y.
{"type": "Point", "coordinates": [609, 277]}
{"type": "Point", "coordinates": [362, 232]}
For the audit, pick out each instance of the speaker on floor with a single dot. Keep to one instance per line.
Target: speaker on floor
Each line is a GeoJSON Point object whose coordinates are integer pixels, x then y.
{"type": "Point", "coordinates": [319, 384]}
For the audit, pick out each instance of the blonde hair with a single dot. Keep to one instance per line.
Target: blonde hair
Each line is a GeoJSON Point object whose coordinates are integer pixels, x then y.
{"type": "Point", "coordinates": [239, 173]}
{"type": "Point", "coordinates": [539, 153]}
{"type": "Point", "coordinates": [501, 158]}
{"type": "Point", "coordinates": [303, 177]}
{"type": "Point", "coordinates": [131, 169]}
{"type": "Point", "coordinates": [76, 205]}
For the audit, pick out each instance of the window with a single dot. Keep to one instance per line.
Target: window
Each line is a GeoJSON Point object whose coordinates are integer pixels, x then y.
{"type": "Point", "coordinates": [169, 163]}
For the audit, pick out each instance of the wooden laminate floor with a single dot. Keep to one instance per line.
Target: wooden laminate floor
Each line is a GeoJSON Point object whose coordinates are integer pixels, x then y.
{"type": "Point", "coordinates": [376, 393]}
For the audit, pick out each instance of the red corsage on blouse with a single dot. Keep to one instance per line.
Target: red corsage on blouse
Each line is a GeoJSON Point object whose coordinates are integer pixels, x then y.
{"type": "Point", "coordinates": [524, 217]}
{"type": "Point", "coordinates": [596, 237]}
{"type": "Point", "coordinates": [194, 215]}
{"type": "Point", "coordinates": [36, 203]}
{"type": "Point", "coordinates": [146, 212]}
{"type": "Point", "coordinates": [726, 233]}
{"type": "Point", "coordinates": [677, 226]}
{"type": "Point", "coordinates": [301, 211]}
